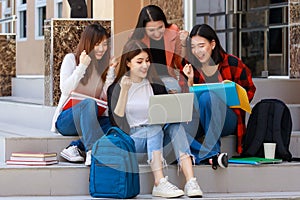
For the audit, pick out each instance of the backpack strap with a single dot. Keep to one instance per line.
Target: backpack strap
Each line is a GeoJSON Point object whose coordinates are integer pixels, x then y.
{"type": "Point", "coordinates": [261, 127]}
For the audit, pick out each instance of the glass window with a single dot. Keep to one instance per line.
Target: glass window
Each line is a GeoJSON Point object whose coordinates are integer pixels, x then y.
{"type": "Point", "coordinates": [59, 9]}
{"type": "Point", "coordinates": [41, 18]}
{"type": "Point", "coordinates": [22, 19]}
{"type": "Point", "coordinates": [23, 24]}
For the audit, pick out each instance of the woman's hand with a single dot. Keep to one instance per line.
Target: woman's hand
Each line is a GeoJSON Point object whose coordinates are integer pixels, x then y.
{"type": "Point", "coordinates": [84, 58]}
{"type": "Point", "coordinates": [183, 36]}
{"type": "Point", "coordinates": [188, 71]}
{"type": "Point", "coordinates": [125, 83]}
{"type": "Point", "coordinates": [113, 62]}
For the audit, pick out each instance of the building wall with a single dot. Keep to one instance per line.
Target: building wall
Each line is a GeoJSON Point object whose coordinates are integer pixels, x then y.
{"type": "Point", "coordinates": [30, 53]}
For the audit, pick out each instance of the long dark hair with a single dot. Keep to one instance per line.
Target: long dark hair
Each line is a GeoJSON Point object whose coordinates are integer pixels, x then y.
{"type": "Point", "coordinates": [92, 35]}
{"type": "Point", "coordinates": [207, 32]}
{"type": "Point", "coordinates": [148, 13]}
{"type": "Point", "coordinates": [131, 49]}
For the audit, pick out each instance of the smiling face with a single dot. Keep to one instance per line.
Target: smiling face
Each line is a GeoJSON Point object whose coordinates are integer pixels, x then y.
{"type": "Point", "coordinates": [139, 66]}
{"type": "Point", "coordinates": [202, 48]}
{"type": "Point", "coordinates": [100, 48]}
{"type": "Point", "coordinates": [155, 29]}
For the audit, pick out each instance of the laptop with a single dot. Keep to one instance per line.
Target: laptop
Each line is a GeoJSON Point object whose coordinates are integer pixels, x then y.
{"type": "Point", "coordinates": [170, 108]}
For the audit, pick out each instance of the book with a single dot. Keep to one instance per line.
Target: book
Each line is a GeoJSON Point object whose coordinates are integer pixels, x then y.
{"type": "Point", "coordinates": [25, 158]}
{"type": "Point", "coordinates": [234, 95]}
{"type": "Point", "coordinates": [34, 154]}
{"type": "Point", "coordinates": [254, 160]}
{"type": "Point", "coordinates": [75, 98]}
{"type": "Point", "coordinates": [31, 163]}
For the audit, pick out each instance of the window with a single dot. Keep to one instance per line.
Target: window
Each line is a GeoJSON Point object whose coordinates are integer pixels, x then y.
{"type": "Point", "coordinates": [22, 16]}
{"type": "Point", "coordinates": [7, 25]}
{"type": "Point", "coordinates": [40, 17]}
{"type": "Point", "coordinates": [254, 30]}
{"type": "Point", "coordinates": [58, 8]}
{"type": "Point", "coordinates": [6, 17]}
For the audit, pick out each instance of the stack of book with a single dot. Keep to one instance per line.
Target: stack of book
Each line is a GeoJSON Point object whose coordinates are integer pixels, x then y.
{"type": "Point", "coordinates": [32, 158]}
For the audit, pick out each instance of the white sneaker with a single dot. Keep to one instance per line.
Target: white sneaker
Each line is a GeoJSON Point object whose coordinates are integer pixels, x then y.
{"type": "Point", "coordinates": [166, 189]}
{"type": "Point", "coordinates": [88, 158]}
{"type": "Point", "coordinates": [192, 188]}
{"type": "Point", "coordinates": [72, 154]}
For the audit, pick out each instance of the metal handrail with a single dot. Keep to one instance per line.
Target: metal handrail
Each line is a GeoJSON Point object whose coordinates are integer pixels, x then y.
{"type": "Point", "coordinates": [9, 19]}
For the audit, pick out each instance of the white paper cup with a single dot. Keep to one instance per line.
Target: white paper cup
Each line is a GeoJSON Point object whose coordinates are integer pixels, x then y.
{"type": "Point", "coordinates": [269, 149]}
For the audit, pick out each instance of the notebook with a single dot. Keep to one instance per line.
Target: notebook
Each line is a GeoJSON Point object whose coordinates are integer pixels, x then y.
{"type": "Point", "coordinates": [254, 161]}
{"type": "Point", "coordinates": [170, 108]}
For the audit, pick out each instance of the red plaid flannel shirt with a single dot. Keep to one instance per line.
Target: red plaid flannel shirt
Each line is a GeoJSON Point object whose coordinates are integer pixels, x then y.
{"type": "Point", "coordinates": [231, 68]}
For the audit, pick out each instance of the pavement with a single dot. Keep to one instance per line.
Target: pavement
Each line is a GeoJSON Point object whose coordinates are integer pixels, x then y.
{"type": "Point", "coordinates": [208, 196]}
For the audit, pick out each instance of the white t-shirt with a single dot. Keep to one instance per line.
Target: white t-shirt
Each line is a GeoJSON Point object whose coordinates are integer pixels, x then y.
{"type": "Point", "coordinates": [138, 103]}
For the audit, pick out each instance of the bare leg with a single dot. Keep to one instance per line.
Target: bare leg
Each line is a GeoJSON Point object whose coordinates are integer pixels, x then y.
{"type": "Point", "coordinates": [157, 166]}
{"type": "Point", "coordinates": [187, 166]}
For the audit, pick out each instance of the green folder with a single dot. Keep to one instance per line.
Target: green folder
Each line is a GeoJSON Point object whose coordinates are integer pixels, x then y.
{"type": "Point", "coordinates": [254, 160]}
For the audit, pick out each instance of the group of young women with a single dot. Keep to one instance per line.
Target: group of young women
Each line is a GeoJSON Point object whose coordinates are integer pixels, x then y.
{"type": "Point", "coordinates": [157, 59]}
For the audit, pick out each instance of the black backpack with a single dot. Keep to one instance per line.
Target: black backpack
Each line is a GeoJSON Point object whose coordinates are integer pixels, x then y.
{"type": "Point", "coordinates": [270, 121]}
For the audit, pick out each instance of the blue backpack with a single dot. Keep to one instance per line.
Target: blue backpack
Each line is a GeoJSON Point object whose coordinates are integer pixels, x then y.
{"type": "Point", "coordinates": [114, 171]}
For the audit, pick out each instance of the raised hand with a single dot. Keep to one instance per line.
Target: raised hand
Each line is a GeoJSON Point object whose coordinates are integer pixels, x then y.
{"type": "Point", "coordinates": [183, 34]}
{"type": "Point", "coordinates": [125, 83]}
{"type": "Point", "coordinates": [113, 62]}
{"type": "Point", "coordinates": [188, 71]}
{"type": "Point", "coordinates": [84, 58]}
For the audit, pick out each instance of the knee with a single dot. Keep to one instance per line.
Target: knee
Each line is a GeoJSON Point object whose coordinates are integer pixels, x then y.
{"type": "Point", "coordinates": [89, 104]}
{"type": "Point", "coordinates": [205, 98]}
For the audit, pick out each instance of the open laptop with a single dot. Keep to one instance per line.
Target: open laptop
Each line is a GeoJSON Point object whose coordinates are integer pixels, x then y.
{"type": "Point", "coordinates": [170, 108]}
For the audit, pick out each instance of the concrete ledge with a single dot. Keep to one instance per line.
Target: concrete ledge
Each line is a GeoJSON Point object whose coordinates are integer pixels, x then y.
{"type": "Point", "coordinates": [70, 179]}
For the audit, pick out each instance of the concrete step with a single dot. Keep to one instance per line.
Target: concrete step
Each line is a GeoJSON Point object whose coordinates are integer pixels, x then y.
{"type": "Point", "coordinates": [30, 86]}
{"type": "Point", "coordinates": [206, 196]}
{"type": "Point", "coordinates": [14, 138]}
{"type": "Point", "coordinates": [65, 179]}
{"type": "Point", "coordinates": [31, 113]}
{"type": "Point", "coordinates": [284, 89]}
{"type": "Point", "coordinates": [26, 114]}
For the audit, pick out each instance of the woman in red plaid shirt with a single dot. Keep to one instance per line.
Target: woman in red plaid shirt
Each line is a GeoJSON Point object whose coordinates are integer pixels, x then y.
{"type": "Point", "coordinates": [207, 62]}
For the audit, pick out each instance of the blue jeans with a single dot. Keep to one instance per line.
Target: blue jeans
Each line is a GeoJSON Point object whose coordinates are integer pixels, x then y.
{"type": "Point", "coordinates": [175, 141]}
{"type": "Point", "coordinates": [147, 139]}
{"type": "Point", "coordinates": [171, 83]}
{"type": "Point", "coordinates": [82, 120]}
{"type": "Point", "coordinates": [212, 119]}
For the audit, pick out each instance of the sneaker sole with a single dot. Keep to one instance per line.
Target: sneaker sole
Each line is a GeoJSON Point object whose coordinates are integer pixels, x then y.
{"type": "Point", "coordinates": [65, 156]}
{"type": "Point", "coordinates": [159, 194]}
{"type": "Point", "coordinates": [195, 194]}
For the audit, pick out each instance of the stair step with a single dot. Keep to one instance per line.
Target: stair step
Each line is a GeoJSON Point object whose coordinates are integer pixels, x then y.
{"type": "Point", "coordinates": [54, 180]}
{"type": "Point", "coordinates": [26, 114]}
{"type": "Point", "coordinates": [206, 196]}
{"type": "Point", "coordinates": [278, 88]}
{"type": "Point", "coordinates": [14, 138]}
{"type": "Point", "coordinates": [30, 86]}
